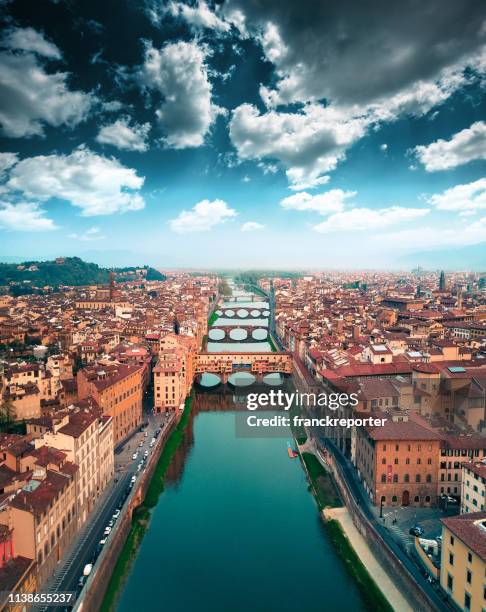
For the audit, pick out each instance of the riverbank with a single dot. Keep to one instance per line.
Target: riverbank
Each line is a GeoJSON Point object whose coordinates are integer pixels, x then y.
{"type": "Point", "coordinates": [141, 515]}
{"type": "Point", "coordinates": [212, 319]}
{"type": "Point", "coordinates": [331, 505]}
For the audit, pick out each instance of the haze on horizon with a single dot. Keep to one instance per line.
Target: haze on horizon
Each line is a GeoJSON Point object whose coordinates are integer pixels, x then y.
{"type": "Point", "coordinates": [243, 134]}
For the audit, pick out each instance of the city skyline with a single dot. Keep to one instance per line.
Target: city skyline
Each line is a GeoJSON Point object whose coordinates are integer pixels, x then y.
{"type": "Point", "coordinates": [192, 134]}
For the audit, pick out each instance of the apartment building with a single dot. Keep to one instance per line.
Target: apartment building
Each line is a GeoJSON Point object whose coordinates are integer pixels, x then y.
{"type": "Point", "coordinates": [473, 488]}
{"type": "Point", "coordinates": [42, 516]}
{"type": "Point", "coordinates": [463, 560]}
{"type": "Point", "coordinates": [117, 389]}
{"type": "Point", "coordinates": [86, 436]}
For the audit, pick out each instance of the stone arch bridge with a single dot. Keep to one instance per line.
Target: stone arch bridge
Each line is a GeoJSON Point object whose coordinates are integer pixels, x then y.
{"type": "Point", "coordinates": [258, 364]}
{"type": "Point", "coordinates": [228, 329]}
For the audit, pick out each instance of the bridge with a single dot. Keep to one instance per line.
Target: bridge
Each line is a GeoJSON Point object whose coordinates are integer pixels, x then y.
{"type": "Point", "coordinates": [258, 364]}
{"type": "Point", "coordinates": [225, 332]}
{"type": "Point", "coordinates": [243, 313]}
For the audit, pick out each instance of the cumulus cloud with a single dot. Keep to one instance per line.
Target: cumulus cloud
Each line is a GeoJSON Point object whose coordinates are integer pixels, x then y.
{"type": "Point", "coordinates": [97, 185]}
{"type": "Point", "coordinates": [179, 73]}
{"type": "Point", "coordinates": [309, 144]}
{"type": "Point", "coordinates": [348, 72]}
{"type": "Point", "coordinates": [370, 51]}
{"type": "Point", "coordinates": [199, 16]}
{"type": "Point", "coordinates": [28, 39]}
{"type": "Point", "coordinates": [469, 197]}
{"type": "Point", "coordinates": [7, 160]}
{"type": "Point", "coordinates": [90, 235]}
{"type": "Point", "coordinates": [465, 146]}
{"type": "Point", "coordinates": [30, 97]}
{"type": "Point", "coordinates": [368, 219]}
{"type": "Point", "coordinates": [251, 226]}
{"type": "Point", "coordinates": [324, 203]}
{"type": "Point", "coordinates": [24, 217]}
{"type": "Point", "coordinates": [122, 135]}
{"type": "Point", "coordinates": [202, 217]}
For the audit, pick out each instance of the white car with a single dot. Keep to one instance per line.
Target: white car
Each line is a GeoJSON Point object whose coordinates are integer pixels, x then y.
{"type": "Point", "coordinates": [135, 455]}
{"type": "Point", "coordinates": [146, 453]}
{"type": "Point", "coordinates": [87, 569]}
{"type": "Point", "coordinates": [133, 479]}
{"type": "Point", "coordinates": [139, 466]}
{"type": "Point", "coordinates": [117, 514]}
{"type": "Point", "coordinates": [103, 542]}
{"type": "Point", "coordinates": [107, 531]}
{"type": "Point", "coordinates": [141, 444]}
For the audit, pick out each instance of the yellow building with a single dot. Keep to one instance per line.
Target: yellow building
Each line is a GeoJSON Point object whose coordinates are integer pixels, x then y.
{"type": "Point", "coordinates": [463, 563]}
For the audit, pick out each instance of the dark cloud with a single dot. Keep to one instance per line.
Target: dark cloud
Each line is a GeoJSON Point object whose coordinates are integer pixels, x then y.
{"type": "Point", "coordinates": [357, 52]}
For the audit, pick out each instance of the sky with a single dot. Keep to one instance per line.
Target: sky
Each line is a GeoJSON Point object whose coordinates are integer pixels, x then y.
{"type": "Point", "coordinates": [243, 133]}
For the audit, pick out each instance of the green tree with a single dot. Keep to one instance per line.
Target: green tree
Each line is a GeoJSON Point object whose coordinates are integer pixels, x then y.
{"type": "Point", "coordinates": [7, 412]}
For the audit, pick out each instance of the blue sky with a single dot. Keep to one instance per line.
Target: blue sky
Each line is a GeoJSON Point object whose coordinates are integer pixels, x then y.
{"type": "Point", "coordinates": [244, 134]}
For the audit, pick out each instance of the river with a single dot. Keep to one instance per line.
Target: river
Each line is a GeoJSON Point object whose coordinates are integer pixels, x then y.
{"type": "Point", "coordinates": [236, 529]}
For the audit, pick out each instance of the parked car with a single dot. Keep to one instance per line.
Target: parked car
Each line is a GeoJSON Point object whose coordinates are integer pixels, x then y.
{"type": "Point", "coordinates": [87, 569]}
{"type": "Point", "coordinates": [146, 453]}
{"type": "Point", "coordinates": [416, 531]}
{"type": "Point", "coordinates": [111, 523]}
{"type": "Point", "coordinates": [117, 513]}
{"type": "Point", "coordinates": [141, 444]}
{"type": "Point", "coordinates": [103, 542]}
{"type": "Point", "coordinates": [135, 455]}
{"type": "Point", "coordinates": [146, 434]}
{"type": "Point", "coordinates": [133, 479]}
{"type": "Point", "coordinates": [81, 581]}
{"type": "Point", "coordinates": [139, 466]}
{"type": "Point", "coordinates": [107, 531]}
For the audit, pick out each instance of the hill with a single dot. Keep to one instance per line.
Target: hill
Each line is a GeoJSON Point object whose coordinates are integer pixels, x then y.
{"type": "Point", "coordinates": [23, 277]}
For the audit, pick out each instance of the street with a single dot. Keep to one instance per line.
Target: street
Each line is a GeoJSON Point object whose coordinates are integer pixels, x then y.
{"type": "Point", "coordinates": [86, 546]}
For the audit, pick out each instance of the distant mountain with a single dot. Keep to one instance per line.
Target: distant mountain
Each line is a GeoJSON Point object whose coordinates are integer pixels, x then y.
{"type": "Point", "coordinates": [65, 271]}
{"type": "Point", "coordinates": [471, 257]}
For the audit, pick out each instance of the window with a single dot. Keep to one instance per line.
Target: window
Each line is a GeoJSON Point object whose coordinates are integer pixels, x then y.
{"type": "Point", "coordinates": [383, 478]}
{"type": "Point", "coordinates": [468, 576]}
{"type": "Point", "coordinates": [396, 461]}
{"type": "Point", "coordinates": [450, 582]}
{"type": "Point", "coordinates": [395, 477]}
{"type": "Point", "coordinates": [406, 478]}
{"type": "Point", "coordinates": [452, 540]}
{"type": "Point", "coordinates": [394, 499]}
{"type": "Point", "coordinates": [451, 559]}
{"type": "Point", "coordinates": [429, 478]}
{"type": "Point", "coordinates": [417, 477]}
{"type": "Point", "coordinates": [469, 557]}
{"type": "Point", "coordinates": [467, 601]}
{"type": "Point", "coordinates": [383, 461]}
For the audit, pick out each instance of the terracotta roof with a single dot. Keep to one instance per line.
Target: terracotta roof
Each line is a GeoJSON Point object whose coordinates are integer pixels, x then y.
{"type": "Point", "coordinates": [470, 530]}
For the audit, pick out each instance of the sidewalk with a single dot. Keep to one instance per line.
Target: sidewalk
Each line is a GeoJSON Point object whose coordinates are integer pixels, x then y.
{"type": "Point", "coordinates": [376, 571]}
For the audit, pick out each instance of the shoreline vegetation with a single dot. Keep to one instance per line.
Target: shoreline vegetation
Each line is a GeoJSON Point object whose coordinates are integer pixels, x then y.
{"type": "Point", "coordinates": [212, 319]}
{"type": "Point", "coordinates": [141, 514]}
{"type": "Point", "coordinates": [327, 495]}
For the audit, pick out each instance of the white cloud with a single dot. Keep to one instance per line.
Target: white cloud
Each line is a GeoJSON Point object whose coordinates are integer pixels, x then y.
{"type": "Point", "coordinates": [199, 16]}
{"type": "Point", "coordinates": [324, 203]}
{"type": "Point", "coordinates": [309, 144]}
{"type": "Point", "coordinates": [91, 235]}
{"type": "Point", "coordinates": [367, 219]}
{"type": "Point", "coordinates": [7, 160]}
{"type": "Point", "coordinates": [178, 72]}
{"type": "Point", "coordinates": [122, 135]}
{"type": "Point", "coordinates": [469, 197]}
{"type": "Point", "coordinates": [97, 185]}
{"type": "Point", "coordinates": [465, 146]}
{"type": "Point", "coordinates": [202, 217]}
{"type": "Point", "coordinates": [251, 226]}
{"type": "Point", "coordinates": [31, 97]}
{"type": "Point", "coordinates": [28, 39]}
{"type": "Point", "coordinates": [24, 217]}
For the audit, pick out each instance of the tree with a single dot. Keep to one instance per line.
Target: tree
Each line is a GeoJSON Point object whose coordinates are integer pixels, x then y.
{"type": "Point", "coordinates": [7, 411]}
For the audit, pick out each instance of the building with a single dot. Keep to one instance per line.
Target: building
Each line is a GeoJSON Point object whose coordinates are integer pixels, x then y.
{"type": "Point", "coordinates": [398, 462]}
{"type": "Point", "coordinates": [42, 517]}
{"type": "Point", "coordinates": [463, 560]}
{"type": "Point", "coordinates": [117, 389]}
{"type": "Point", "coordinates": [17, 575]}
{"type": "Point", "coordinates": [473, 488]}
{"type": "Point", "coordinates": [85, 435]}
